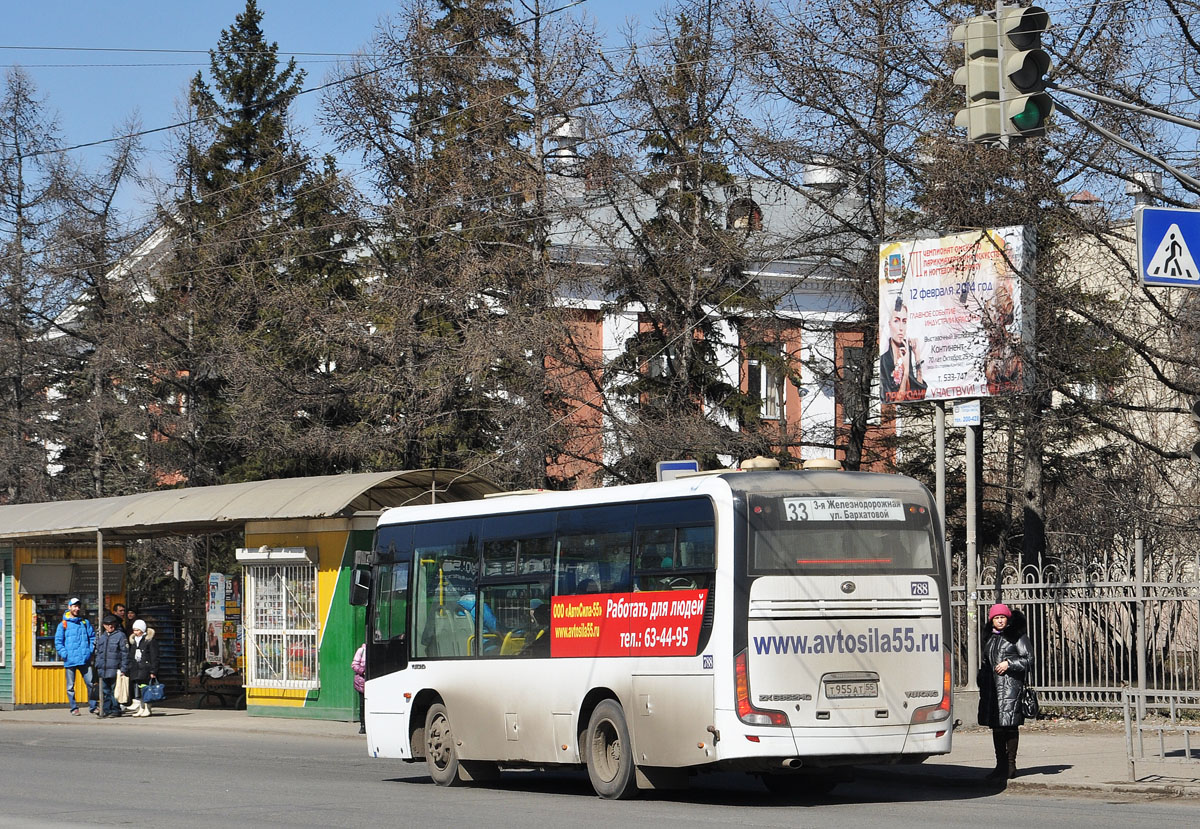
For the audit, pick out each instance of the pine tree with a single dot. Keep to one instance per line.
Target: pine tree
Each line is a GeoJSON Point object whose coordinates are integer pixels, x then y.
{"type": "Point", "coordinates": [435, 116]}
{"type": "Point", "coordinates": [261, 252]}
{"type": "Point", "coordinates": [686, 272]}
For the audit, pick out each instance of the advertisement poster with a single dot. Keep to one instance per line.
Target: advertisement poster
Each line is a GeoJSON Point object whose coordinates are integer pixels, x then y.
{"type": "Point", "coordinates": [213, 642]}
{"type": "Point", "coordinates": [954, 313]}
{"type": "Point", "coordinates": [223, 621]}
{"type": "Point", "coordinates": [658, 623]}
{"type": "Point", "coordinates": [215, 611]}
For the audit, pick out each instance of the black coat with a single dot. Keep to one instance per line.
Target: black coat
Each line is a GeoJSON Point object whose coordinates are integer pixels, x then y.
{"type": "Point", "coordinates": [143, 659]}
{"type": "Point", "coordinates": [1000, 694]}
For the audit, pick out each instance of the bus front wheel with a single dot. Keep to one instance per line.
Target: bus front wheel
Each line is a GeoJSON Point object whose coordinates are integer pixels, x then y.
{"type": "Point", "coordinates": [441, 756]}
{"type": "Point", "coordinates": [609, 752]}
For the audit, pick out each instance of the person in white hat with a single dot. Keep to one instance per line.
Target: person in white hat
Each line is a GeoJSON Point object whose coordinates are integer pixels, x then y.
{"type": "Point", "coordinates": [143, 665]}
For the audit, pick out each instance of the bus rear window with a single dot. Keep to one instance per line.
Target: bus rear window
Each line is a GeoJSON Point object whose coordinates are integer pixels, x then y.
{"type": "Point", "coordinates": [839, 534]}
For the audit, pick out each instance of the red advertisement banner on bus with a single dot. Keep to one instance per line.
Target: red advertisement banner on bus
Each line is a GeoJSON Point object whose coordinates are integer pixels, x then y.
{"type": "Point", "coordinates": [658, 623]}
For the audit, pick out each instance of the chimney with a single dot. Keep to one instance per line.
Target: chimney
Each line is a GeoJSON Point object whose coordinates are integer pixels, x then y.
{"type": "Point", "coordinates": [564, 144]}
{"type": "Point", "coordinates": [822, 175]}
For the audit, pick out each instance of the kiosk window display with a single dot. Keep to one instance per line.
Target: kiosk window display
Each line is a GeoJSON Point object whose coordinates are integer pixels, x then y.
{"type": "Point", "coordinates": [282, 629]}
{"type": "Point", "coordinates": [47, 614]}
{"type": "Point", "coordinates": [50, 585]}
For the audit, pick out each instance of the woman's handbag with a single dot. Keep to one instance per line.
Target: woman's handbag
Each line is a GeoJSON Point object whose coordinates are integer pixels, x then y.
{"type": "Point", "coordinates": [1030, 707]}
{"type": "Point", "coordinates": [153, 692]}
{"type": "Point", "coordinates": [121, 689]}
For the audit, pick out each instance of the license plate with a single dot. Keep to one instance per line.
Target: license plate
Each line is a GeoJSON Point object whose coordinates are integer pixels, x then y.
{"type": "Point", "coordinates": [849, 690]}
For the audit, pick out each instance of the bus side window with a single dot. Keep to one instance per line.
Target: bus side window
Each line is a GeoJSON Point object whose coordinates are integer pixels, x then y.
{"type": "Point", "coordinates": [391, 602]}
{"type": "Point", "coordinates": [594, 546]}
{"type": "Point", "coordinates": [672, 558]}
{"type": "Point", "coordinates": [656, 549]}
{"type": "Point", "coordinates": [513, 605]}
{"type": "Point", "coordinates": [447, 567]}
{"type": "Point", "coordinates": [696, 547]}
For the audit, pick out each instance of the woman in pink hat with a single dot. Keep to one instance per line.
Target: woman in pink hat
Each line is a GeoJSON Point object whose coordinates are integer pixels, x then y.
{"type": "Point", "coordinates": [1007, 661]}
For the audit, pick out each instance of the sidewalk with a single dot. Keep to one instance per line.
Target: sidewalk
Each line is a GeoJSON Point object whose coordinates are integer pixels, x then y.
{"type": "Point", "coordinates": [170, 716]}
{"type": "Point", "coordinates": [1054, 754]}
{"type": "Point", "coordinates": [1064, 755]}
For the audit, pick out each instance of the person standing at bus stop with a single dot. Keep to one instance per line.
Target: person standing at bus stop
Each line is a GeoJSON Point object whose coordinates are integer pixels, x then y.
{"type": "Point", "coordinates": [1007, 661]}
{"type": "Point", "coordinates": [112, 658]}
{"type": "Point", "coordinates": [359, 665]}
{"type": "Point", "coordinates": [143, 666]}
{"type": "Point", "coordinates": [75, 640]}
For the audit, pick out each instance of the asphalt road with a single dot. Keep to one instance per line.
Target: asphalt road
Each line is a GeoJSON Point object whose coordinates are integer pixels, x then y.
{"type": "Point", "coordinates": [140, 773]}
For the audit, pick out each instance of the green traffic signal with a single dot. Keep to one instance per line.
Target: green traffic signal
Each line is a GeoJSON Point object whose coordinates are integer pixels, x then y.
{"type": "Point", "coordinates": [1033, 114]}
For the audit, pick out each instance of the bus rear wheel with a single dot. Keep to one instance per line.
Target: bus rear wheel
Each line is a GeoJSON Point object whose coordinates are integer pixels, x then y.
{"type": "Point", "coordinates": [441, 756]}
{"type": "Point", "coordinates": [608, 752]}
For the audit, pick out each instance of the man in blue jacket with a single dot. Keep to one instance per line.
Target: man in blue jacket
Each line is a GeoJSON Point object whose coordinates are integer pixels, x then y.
{"type": "Point", "coordinates": [75, 640]}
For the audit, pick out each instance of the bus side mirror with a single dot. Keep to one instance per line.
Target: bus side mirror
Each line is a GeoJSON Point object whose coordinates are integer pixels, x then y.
{"type": "Point", "coordinates": [360, 588]}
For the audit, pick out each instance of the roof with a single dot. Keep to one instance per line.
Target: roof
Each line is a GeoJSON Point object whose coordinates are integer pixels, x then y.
{"type": "Point", "coordinates": [206, 509]}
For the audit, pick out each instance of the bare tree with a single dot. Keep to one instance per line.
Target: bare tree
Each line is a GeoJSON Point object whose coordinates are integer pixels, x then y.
{"type": "Point", "coordinates": [31, 291]}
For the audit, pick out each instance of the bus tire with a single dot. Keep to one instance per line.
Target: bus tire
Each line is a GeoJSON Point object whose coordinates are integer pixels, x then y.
{"type": "Point", "coordinates": [608, 752]}
{"type": "Point", "coordinates": [441, 755]}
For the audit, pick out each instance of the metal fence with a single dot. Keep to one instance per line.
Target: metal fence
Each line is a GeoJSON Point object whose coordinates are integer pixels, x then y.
{"type": "Point", "coordinates": [1097, 630]}
{"type": "Point", "coordinates": [1162, 734]}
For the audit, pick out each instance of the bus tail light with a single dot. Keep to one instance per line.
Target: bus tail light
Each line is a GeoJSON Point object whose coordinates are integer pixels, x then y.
{"type": "Point", "coordinates": [941, 711]}
{"type": "Point", "coordinates": [747, 713]}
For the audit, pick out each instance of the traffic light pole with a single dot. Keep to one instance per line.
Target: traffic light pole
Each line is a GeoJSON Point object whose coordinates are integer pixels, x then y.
{"type": "Point", "coordinates": [1183, 178]}
{"type": "Point", "coordinates": [972, 551]}
{"type": "Point", "coordinates": [1125, 105]}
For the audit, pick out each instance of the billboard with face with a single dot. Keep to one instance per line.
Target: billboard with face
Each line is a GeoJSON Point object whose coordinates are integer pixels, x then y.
{"type": "Point", "coordinates": [954, 316]}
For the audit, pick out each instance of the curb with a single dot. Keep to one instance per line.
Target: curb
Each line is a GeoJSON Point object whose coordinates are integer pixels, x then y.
{"type": "Point", "coordinates": [246, 726]}
{"type": "Point", "coordinates": [956, 781]}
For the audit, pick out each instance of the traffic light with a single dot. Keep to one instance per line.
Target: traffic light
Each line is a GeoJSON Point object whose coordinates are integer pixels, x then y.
{"type": "Point", "coordinates": [980, 76]}
{"type": "Point", "coordinates": [1027, 104]}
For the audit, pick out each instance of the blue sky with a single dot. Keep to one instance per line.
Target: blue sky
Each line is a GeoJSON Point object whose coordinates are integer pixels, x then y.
{"type": "Point", "coordinates": [93, 62]}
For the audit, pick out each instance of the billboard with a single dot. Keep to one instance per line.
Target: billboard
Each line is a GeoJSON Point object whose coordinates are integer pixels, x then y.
{"type": "Point", "coordinates": [954, 315]}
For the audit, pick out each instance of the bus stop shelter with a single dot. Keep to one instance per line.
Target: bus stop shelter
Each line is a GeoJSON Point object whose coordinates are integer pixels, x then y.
{"type": "Point", "coordinates": [299, 533]}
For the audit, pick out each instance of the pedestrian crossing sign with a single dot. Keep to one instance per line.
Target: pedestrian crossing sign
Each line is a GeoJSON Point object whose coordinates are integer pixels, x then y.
{"type": "Point", "coordinates": [1165, 237]}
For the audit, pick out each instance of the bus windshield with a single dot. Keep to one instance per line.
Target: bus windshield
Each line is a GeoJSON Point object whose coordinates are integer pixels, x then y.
{"type": "Point", "coordinates": [809, 535]}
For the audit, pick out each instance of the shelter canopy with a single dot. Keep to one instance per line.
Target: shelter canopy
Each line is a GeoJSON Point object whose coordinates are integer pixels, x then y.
{"type": "Point", "coordinates": [206, 509]}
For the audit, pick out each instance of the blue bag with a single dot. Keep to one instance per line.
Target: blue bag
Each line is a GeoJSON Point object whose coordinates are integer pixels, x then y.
{"type": "Point", "coordinates": [153, 692]}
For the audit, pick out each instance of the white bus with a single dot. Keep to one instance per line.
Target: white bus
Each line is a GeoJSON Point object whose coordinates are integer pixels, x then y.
{"type": "Point", "coordinates": [783, 623]}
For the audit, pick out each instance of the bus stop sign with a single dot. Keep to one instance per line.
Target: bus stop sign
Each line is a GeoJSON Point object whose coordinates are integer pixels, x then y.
{"type": "Point", "coordinates": [1165, 238]}
{"type": "Point", "coordinates": [669, 470]}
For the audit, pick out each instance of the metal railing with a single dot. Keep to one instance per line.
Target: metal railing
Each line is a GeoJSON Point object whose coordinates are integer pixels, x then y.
{"type": "Point", "coordinates": [1097, 631]}
{"type": "Point", "coordinates": [1171, 721]}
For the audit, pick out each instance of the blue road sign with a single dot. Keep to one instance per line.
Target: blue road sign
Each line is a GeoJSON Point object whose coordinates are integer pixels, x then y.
{"type": "Point", "coordinates": [1165, 237]}
{"type": "Point", "coordinates": [669, 470]}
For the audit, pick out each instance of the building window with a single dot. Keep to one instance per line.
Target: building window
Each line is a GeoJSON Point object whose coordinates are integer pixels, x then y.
{"type": "Point", "coordinates": [281, 629]}
{"type": "Point", "coordinates": [764, 378]}
{"type": "Point", "coordinates": [857, 362]}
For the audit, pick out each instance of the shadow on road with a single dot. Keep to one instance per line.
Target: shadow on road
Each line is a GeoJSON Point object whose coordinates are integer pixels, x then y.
{"type": "Point", "coordinates": [733, 789]}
